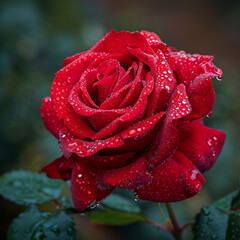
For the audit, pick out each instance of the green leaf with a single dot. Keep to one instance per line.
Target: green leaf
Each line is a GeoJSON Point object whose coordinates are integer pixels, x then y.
{"type": "Point", "coordinates": [210, 224]}
{"type": "Point", "coordinates": [111, 217]}
{"type": "Point", "coordinates": [233, 230]}
{"type": "Point", "coordinates": [220, 220]}
{"type": "Point", "coordinates": [119, 203]}
{"type": "Point", "coordinates": [26, 188]}
{"type": "Point", "coordinates": [33, 224]}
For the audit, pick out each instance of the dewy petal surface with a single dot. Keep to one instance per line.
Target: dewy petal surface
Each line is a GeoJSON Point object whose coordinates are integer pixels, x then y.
{"type": "Point", "coordinates": [52, 169]}
{"type": "Point", "coordinates": [117, 42]}
{"type": "Point", "coordinates": [152, 38]}
{"type": "Point", "coordinates": [61, 168]}
{"type": "Point", "coordinates": [49, 117]}
{"type": "Point", "coordinates": [70, 143]}
{"type": "Point", "coordinates": [188, 66]}
{"type": "Point", "coordinates": [68, 60]}
{"type": "Point", "coordinates": [127, 177]}
{"type": "Point", "coordinates": [202, 145]}
{"type": "Point", "coordinates": [175, 179]}
{"type": "Point", "coordinates": [201, 96]}
{"type": "Point", "coordinates": [62, 85]}
{"type": "Point", "coordinates": [84, 190]}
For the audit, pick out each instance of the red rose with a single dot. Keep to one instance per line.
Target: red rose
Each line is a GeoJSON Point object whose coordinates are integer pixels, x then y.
{"type": "Point", "coordinates": [128, 114]}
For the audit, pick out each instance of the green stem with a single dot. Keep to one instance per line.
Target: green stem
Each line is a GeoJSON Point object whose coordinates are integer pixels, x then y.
{"type": "Point", "coordinates": [177, 229]}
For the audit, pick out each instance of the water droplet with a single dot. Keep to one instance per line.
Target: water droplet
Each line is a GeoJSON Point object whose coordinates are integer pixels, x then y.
{"type": "Point", "coordinates": [210, 142]}
{"type": "Point", "coordinates": [194, 174]}
{"type": "Point", "coordinates": [131, 132]}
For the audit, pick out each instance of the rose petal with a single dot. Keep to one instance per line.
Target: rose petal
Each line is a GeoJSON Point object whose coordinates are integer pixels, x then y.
{"type": "Point", "coordinates": [63, 83]}
{"type": "Point", "coordinates": [116, 98]}
{"type": "Point", "coordinates": [142, 127]}
{"type": "Point", "coordinates": [174, 180]}
{"type": "Point", "coordinates": [153, 39]}
{"type": "Point", "coordinates": [83, 186]}
{"type": "Point", "coordinates": [117, 42]}
{"type": "Point", "coordinates": [111, 161]}
{"type": "Point", "coordinates": [109, 72]}
{"type": "Point", "coordinates": [166, 140]}
{"type": "Point", "coordinates": [128, 177]}
{"type": "Point", "coordinates": [135, 90]}
{"type": "Point", "coordinates": [61, 168]}
{"type": "Point", "coordinates": [70, 143]}
{"type": "Point", "coordinates": [187, 67]}
{"type": "Point", "coordinates": [149, 59]}
{"type": "Point", "coordinates": [179, 105]}
{"type": "Point", "coordinates": [164, 144]}
{"type": "Point", "coordinates": [49, 117]}
{"type": "Point", "coordinates": [202, 145]}
{"type": "Point", "coordinates": [68, 60]}
{"type": "Point", "coordinates": [121, 89]}
{"type": "Point", "coordinates": [126, 76]}
{"type": "Point", "coordinates": [165, 83]}
{"type": "Point", "coordinates": [201, 96]}
{"type": "Point", "coordinates": [52, 169]}
{"type": "Point", "coordinates": [81, 89]}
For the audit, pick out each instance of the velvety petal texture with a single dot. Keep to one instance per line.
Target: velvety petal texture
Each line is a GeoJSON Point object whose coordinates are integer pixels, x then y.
{"type": "Point", "coordinates": [128, 114]}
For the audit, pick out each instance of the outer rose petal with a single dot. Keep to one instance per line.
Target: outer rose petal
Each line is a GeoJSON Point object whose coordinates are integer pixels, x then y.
{"type": "Point", "coordinates": [128, 177]}
{"type": "Point", "coordinates": [201, 96]}
{"type": "Point", "coordinates": [202, 145]}
{"type": "Point", "coordinates": [52, 168]}
{"type": "Point", "coordinates": [187, 66]}
{"type": "Point", "coordinates": [68, 60]}
{"type": "Point", "coordinates": [61, 168]}
{"type": "Point", "coordinates": [118, 42]}
{"type": "Point", "coordinates": [174, 180]}
{"type": "Point", "coordinates": [83, 186]}
{"type": "Point", "coordinates": [153, 39]}
{"type": "Point", "coordinates": [49, 117]}
{"type": "Point", "coordinates": [62, 85]}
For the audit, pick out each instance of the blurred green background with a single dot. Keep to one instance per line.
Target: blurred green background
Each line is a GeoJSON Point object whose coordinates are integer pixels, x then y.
{"type": "Point", "coordinates": [36, 35]}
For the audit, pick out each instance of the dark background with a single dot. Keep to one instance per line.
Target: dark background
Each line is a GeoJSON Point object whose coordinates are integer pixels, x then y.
{"type": "Point", "coordinates": [36, 36]}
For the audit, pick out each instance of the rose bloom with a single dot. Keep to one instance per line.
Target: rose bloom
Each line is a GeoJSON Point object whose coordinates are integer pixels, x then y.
{"type": "Point", "coordinates": [128, 114]}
